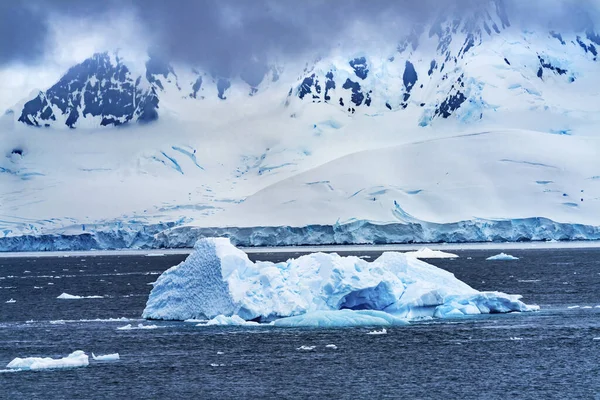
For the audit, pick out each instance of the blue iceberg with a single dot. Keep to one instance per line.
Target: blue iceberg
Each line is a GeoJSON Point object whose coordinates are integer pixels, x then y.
{"type": "Point", "coordinates": [327, 290]}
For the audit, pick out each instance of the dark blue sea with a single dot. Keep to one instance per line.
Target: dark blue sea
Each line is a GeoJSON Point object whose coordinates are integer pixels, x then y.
{"type": "Point", "coordinates": [551, 354]}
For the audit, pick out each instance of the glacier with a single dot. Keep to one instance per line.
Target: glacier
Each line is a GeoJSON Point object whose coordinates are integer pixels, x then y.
{"type": "Point", "coordinates": [111, 236]}
{"type": "Point", "coordinates": [218, 281]}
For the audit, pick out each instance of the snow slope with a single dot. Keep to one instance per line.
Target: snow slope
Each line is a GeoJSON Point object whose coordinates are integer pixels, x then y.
{"type": "Point", "coordinates": [456, 131]}
{"type": "Point", "coordinates": [318, 290]}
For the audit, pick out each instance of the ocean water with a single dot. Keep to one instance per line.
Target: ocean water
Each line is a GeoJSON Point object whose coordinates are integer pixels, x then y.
{"type": "Point", "coordinates": [549, 354]}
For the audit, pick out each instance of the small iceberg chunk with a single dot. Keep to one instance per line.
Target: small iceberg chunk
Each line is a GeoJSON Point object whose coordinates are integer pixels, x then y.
{"type": "Point", "coordinates": [67, 296]}
{"type": "Point", "coordinates": [516, 338]}
{"type": "Point", "coordinates": [331, 346]}
{"type": "Point", "coordinates": [428, 253]}
{"type": "Point", "coordinates": [106, 357]}
{"type": "Point", "coordinates": [129, 327]}
{"type": "Point", "coordinates": [76, 359]}
{"type": "Point", "coordinates": [502, 257]}
{"type": "Point", "coordinates": [306, 348]}
{"type": "Point", "coordinates": [383, 331]}
{"type": "Point", "coordinates": [11, 301]}
{"type": "Point", "coordinates": [222, 320]}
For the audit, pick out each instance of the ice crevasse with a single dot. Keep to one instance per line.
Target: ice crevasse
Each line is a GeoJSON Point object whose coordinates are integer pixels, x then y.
{"type": "Point", "coordinates": [315, 290]}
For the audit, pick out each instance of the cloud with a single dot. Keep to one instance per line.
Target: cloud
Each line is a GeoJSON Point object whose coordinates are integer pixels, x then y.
{"type": "Point", "coordinates": [227, 36]}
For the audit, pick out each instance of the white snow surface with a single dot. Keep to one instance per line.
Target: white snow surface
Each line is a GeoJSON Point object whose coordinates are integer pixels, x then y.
{"type": "Point", "coordinates": [76, 359]}
{"type": "Point", "coordinates": [106, 357]}
{"type": "Point", "coordinates": [502, 257]}
{"type": "Point", "coordinates": [319, 289]}
{"type": "Point", "coordinates": [426, 252]}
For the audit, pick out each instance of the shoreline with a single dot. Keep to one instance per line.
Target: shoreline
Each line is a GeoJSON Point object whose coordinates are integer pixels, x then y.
{"type": "Point", "coordinates": [323, 248]}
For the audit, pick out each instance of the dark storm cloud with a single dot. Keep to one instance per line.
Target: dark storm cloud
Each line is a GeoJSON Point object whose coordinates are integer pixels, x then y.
{"type": "Point", "coordinates": [229, 36]}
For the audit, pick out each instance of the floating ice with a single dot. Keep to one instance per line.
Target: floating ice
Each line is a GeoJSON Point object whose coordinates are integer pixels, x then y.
{"type": "Point", "coordinates": [106, 357]}
{"type": "Point", "coordinates": [220, 353]}
{"type": "Point", "coordinates": [428, 253]}
{"type": "Point", "coordinates": [217, 365]}
{"type": "Point", "coordinates": [572, 307]}
{"type": "Point", "coordinates": [76, 359]}
{"type": "Point", "coordinates": [516, 338]}
{"type": "Point", "coordinates": [331, 346]}
{"type": "Point", "coordinates": [596, 338]}
{"type": "Point", "coordinates": [11, 301]}
{"type": "Point", "coordinates": [383, 331]}
{"type": "Point", "coordinates": [587, 307]}
{"type": "Point", "coordinates": [155, 255]}
{"type": "Point", "coordinates": [234, 320]}
{"type": "Point", "coordinates": [322, 289]}
{"type": "Point", "coordinates": [306, 348]}
{"type": "Point", "coordinates": [340, 318]}
{"type": "Point", "coordinates": [67, 296]}
{"type": "Point", "coordinates": [502, 257]}
{"type": "Point", "coordinates": [130, 327]}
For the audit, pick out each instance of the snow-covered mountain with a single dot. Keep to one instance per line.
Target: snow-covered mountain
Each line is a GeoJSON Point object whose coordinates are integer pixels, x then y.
{"type": "Point", "coordinates": [467, 118]}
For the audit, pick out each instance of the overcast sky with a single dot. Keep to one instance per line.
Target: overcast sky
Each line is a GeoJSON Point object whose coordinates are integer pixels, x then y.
{"type": "Point", "coordinates": [40, 39]}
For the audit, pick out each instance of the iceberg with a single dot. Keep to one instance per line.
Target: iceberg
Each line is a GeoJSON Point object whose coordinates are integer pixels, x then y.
{"type": "Point", "coordinates": [428, 253]}
{"type": "Point", "coordinates": [10, 301]}
{"type": "Point", "coordinates": [76, 359]}
{"type": "Point", "coordinates": [318, 289]}
{"type": "Point", "coordinates": [67, 296]}
{"type": "Point", "coordinates": [106, 357]}
{"type": "Point", "coordinates": [502, 257]}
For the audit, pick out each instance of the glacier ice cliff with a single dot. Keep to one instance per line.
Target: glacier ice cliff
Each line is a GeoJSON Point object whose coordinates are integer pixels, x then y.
{"type": "Point", "coordinates": [219, 279]}
{"type": "Point", "coordinates": [170, 235]}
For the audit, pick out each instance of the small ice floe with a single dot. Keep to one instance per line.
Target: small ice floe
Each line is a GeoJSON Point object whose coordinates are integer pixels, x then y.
{"type": "Point", "coordinates": [428, 253]}
{"type": "Point", "coordinates": [58, 322]}
{"type": "Point", "coordinates": [155, 255]}
{"type": "Point", "coordinates": [234, 320]}
{"type": "Point", "coordinates": [469, 258]}
{"type": "Point", "coordinates": [598, 306]}
{"type": "Point", "coordinates": [11, 301]}
{"type": "Point", "coordinates": [516, 338]}
{"type": "Point", "coordinates": [572, 307]}
{"type": "Point", "coordinates": [306, 348]}
{"type": "Point", "coordinates": [596, 338]}
{"type": "Point", "coordinates": [67, 296]}
{"type": "Point", "coordinates": [331, 346]}
{"type": "Point", "coordinates": [220, 353]}
{"type": "Point", "coordinates": [106, 357]}
{"type": "Point", "coordinates": [502, 257]}
{"type": "Point", "coordinates": [383, 331]}
{"type": "Point", "coordinates": [217, 365]}
{"type": "Point", "coordinates": [528, 280]}
{"type": "Point", "coordinates": [130, 327]}
{"type": "Point", "coordinates": [37, 287]}
{"type": "Point", "coordinates": [587, 307]}
{"type": "Point", "coordinates": [76, 359]}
